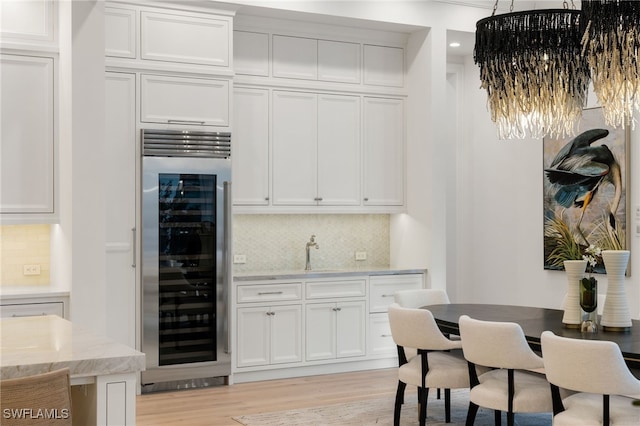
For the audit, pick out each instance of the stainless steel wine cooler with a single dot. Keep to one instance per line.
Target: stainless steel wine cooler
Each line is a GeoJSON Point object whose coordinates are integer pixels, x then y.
{"type": "Point", "coordinates": [186, 240]}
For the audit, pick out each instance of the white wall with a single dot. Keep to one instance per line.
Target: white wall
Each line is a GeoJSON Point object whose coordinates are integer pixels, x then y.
{"type": "Point", "coordinates": [502, 218]}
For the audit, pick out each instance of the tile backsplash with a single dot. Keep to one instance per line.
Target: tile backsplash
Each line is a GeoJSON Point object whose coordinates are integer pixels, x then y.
{"type": "Point", "coordinates": [277, 242]}
{"type": "Point", "coordinates": [22, 245]}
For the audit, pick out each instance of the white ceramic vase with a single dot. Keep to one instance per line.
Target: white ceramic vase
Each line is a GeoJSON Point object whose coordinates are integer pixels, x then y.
{"type": "Point", "coordinates": [615, 314]}
{"type": "Point", "coordinates": [574, 269]}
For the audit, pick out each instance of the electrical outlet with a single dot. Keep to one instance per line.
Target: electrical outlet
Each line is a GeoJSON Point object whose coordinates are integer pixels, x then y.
{"type": "Point", "coordinates": [361, 255]}
{"type": "Point", "coordinates": [239, 258]}
{"type": "Point", "coordinates": [30, 269]}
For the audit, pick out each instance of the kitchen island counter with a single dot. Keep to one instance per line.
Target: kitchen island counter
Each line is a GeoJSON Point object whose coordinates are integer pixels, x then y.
{"type": "Point", "coordinates": [103, 372]}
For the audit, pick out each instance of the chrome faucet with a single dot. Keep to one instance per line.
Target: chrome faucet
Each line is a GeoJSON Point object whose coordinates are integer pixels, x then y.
{"type": "Point", "coordinates": [310, 243]}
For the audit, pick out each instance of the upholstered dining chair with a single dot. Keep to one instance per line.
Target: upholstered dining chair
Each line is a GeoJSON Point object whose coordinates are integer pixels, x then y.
{"type": "Point", "coordinates": [435, 366]}
{"type": "Point", "coordinates": [510, 385]}
{"type": "Point", "coordinates": [417, 298]}
{"type": "Point", "coordinates": [41, 399]}
{"type": "Point", "coordinates": [596, 371]}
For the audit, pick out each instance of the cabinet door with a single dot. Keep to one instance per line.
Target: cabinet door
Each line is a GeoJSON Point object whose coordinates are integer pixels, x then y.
{"type": "Point", "coordinates": [295, 57]}
{"type": "Point", "coordinates": [179, 100]}
{"type": "Point", "coordinates": [190, 39]}
{"type": "Point", "coordinates": [383, 66]}
{"type": "Point", "coordinates": [253, 336]}
{"type": "Point", "coordinates": [338, 150]}
{"type": "Point", "coordinates": [321, 331]}
{"type": "Point", "coordinates": [120, 194]}
{"type": "Point", "coordinates": [250, 146]}
{"type": "Point", "coordinates": [251, 53]}
{"type": "Point", "coordinates": [120, 32]}
{"type": "Point", "coordinates": [27, 141]}
{"type": "Point", "coordinates": [294, 148]}
{"type": "Point", "coordinates": [383, 149]}
{"type": "Point", "coordinates": [286, 334]}
{"type": "Point", "coordinates": [351, 329]}
{"type": "Point", "coordinates": [338, 61]}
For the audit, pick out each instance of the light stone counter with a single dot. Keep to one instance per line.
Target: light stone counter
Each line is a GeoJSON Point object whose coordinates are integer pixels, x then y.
{"type": "Point", "coordinates": [102, 370]}
{"type": "Point", "coordinates": [298, 274]}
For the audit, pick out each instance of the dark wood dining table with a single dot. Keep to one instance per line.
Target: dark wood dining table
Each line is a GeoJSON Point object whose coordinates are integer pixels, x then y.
{"type": "Point", "coordinates": [533, 322]}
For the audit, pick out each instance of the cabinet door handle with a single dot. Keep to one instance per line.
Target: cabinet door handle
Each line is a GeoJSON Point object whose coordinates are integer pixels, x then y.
{"type": "Point", "coordinates": [185, 122]}
{"type": "Point", "coordinates": [262, 293]}
{"type": "Point", "coordinates": [366, 199]}
{"type": "Point", "coordinates": [271, 313]}
{"type": "Point", "coordinates": [133, 255]}
{"type": "Point", "coordinates": [337, 309]}
{"type": "Point", "coordinates": [266, 198]}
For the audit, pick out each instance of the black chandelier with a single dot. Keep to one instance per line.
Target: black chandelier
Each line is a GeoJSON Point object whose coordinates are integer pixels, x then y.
{"type": "Point", "coordinates": [533, 71]}
{"type": "Point", "coordinates": [611, 43]}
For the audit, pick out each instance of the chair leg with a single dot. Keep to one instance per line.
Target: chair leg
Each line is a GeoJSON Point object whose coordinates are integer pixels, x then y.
{"type": "Point", "coordinates": [447, 405]}
{"type": "Point", "coordinates": [399, 402]}
{"type": "Point", "coordinates": [498, 417]}
{"type": "Point", "coordinates": [424, 394]}
{"type": "Point", "coordinates": [438, 393]}
{"type": "Point", "coordinates": [471, 414]}
{"type": "Point", "coordinates": [510, 418]}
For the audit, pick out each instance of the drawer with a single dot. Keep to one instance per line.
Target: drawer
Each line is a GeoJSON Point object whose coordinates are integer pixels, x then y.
{"type": "Point", "coordinates": [268, 292]}
{"type": "Point", "coordinates": [380, 339]}
{"type": "Point", "coordinates": [382, 289]}
{"type": "Point", "coordinates": [333, 289]}
{"type": "Point", "coordinates": [32, 309]}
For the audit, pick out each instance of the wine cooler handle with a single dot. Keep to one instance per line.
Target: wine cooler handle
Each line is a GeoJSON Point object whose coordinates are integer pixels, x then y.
{"type": "Point", "coordinates": [228, 260]}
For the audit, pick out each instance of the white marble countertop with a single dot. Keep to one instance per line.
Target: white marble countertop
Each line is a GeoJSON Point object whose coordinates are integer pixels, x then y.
{"type": "Point", "coordinates": [34, 345]}
{"type": "Point", "coordinates": [321, 273]}
{"type": "Point", "coordinates": [30, 291]}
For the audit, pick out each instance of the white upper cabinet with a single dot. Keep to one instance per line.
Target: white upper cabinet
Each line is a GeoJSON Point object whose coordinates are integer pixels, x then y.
{"type": "Point", "coordinates": [294, 148]}
{"type": "Point", "coordinates": [383, 152]}
{"type": "Point", "coordinates": [338, 61]}
{"type": "Point", "coordinates": [295, 57]}
{"type": "Point", "coordinates": [27, 143]}
{"type": "Point", "coordinates": [30, 22]}
{"type": "Point", "coordinates": [120, 32]}
{"type": "Point", "coordinates": [316, 149]}
{"type": "Point", "coordinates": [251, 53]}
{"type": "Point", "coordinates": [338, 150]}
{"type": "Point", "coordinates": [145, 37]}
{"type": "Point", "coordinates": [181, 100]}
{"type": "Point", "coordinates": [383, 66]}
{"type": "Point", "coordinates": [190, 39]}
{"type": "Point", "coordinates": [250, 146]}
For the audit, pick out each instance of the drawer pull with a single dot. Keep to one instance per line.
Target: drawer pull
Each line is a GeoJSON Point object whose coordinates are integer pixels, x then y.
{"type": "Point", "coordinates": [385, 335]}
{"type": "Point", "coordinates": [262, 293]}
{"type": "Point", "coordinates": [387, 295]}
{"type": "Point", "coordinates": [185, 122]}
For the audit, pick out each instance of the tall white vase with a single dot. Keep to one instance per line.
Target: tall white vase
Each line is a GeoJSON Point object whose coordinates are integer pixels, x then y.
{"type": "Point", "coordinates": [574, 269]}
{"type": "Point", "coordinates": [615, 315]}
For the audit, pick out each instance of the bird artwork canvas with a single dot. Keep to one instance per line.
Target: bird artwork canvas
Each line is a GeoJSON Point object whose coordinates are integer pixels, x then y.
{"type": "Point", "coordinates": [585, 191]}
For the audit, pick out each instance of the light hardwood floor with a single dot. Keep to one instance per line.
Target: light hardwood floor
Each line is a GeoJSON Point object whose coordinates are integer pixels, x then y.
{"type": "Point", "coordinates": [217, 405]}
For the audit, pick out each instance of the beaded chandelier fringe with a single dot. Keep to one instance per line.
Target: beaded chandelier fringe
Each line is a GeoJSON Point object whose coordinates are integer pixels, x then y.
{"type": "Point", "coordinates": [611, 43]}
{"type": "Point", "coordinates": [533, 71]}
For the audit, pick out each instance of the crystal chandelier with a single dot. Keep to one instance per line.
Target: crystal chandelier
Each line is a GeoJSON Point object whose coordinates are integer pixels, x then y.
{"type": "Point", "coordinates": [611, 43]}
{"type": "Point", "coordinates": [533, 71]}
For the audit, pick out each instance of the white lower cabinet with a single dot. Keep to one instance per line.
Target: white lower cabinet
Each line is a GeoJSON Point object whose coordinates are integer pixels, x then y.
{"type": "Point", "coordinates": [335, 330]}
{"type": "Point", "coordinates": [321, 325]}
{"type": "Point", "coordinates": [269, 335]}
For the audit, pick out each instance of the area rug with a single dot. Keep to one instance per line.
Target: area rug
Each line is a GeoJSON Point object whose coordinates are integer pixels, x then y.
{"type": "Point", "coordinates": [379, 411]}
